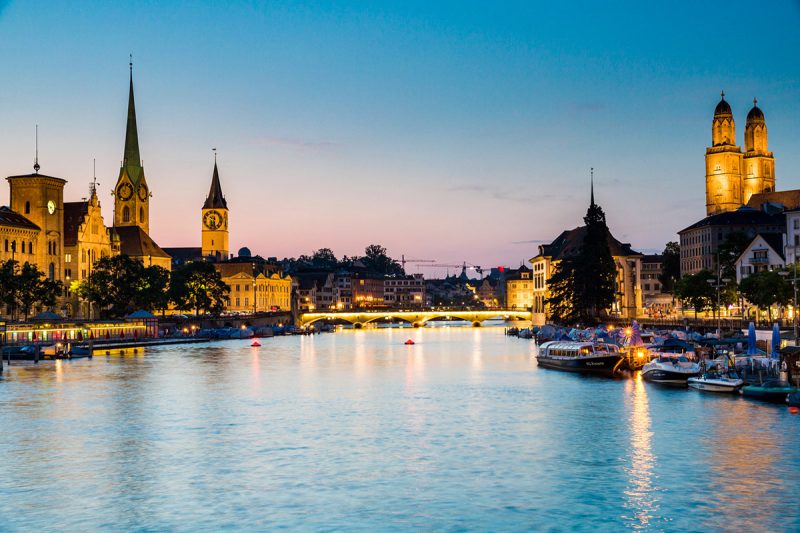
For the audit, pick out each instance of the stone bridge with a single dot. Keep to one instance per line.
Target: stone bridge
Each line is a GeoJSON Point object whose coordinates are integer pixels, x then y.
{"type": "Point", "coordinates": [416, 318]}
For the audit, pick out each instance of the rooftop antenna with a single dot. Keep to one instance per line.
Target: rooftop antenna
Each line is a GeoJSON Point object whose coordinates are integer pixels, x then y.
{"type": "Point", "coordinates": [93, 186]}
{"type": "Point", "coordinates": [591, 171]}
{"type": "Point", "coordinates": [36, 166]}
{"type": "Point", "coordinates": [215, 155]}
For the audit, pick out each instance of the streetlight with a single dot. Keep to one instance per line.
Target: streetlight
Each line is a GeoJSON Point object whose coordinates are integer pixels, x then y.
{"type": "Point", "coordinates": [719, 284]}
{"type": "Point", "coordinates": [794, 300]}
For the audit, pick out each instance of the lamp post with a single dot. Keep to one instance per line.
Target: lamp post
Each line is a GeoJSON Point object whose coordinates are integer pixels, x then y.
{"type": "Point", "coordinates": [718, 285]}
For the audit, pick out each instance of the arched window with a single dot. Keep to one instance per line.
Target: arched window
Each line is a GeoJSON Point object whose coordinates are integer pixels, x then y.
{"type": "Point", "coordinates": [141, 214]}
{"type": "Point", "coordinates": [6, 245]}
{"type": "Point", "coordinates": [27, 208]}
{"type": "Point", "coordinates": [52, 271]}
{"type": "Point", "coordinates": [126, 214]}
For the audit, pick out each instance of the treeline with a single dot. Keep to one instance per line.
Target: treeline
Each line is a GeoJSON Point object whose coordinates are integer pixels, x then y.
{"type": "Point", "coordinates": [375, 259]}
{"type": "Point", "coordinates": [119, 285]}
{"type": "Point", "coordinates": [23, 288]}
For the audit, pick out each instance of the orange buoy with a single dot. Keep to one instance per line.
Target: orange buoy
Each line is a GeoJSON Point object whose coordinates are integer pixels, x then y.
{"type": "Point", "coordinates": [794, 410]}
{"type": "Point", "coordinates": [255, 344]}
{"type": "Point", "coordinates": [409, 342]}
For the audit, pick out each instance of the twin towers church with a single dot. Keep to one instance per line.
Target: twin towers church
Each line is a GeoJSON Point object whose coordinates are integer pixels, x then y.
{"type": "Point", "coordinates": [64, 239]}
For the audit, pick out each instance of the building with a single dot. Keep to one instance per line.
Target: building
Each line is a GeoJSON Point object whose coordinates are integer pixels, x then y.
{"type": "Point", "coordinates": [519, 288]}
{"type": "Point", "coordinates": [132, 200]}
{"type": "Point", "coordinates": [699, 242]}
{"type": "Point", "coordinates": [86, 240]}
{"type": "Point", "coordinates": [733, 177]}
{"type": "Point", "coordinates": [316, 291]}
{"type": "Point", "coordinates": [652, 268]}
{"type": "Point", "coordinates": [404, 291]}
{"type": "Point", "coordinates": [765, 252]}
{"type": "Point", "coordinates": [488, 293]}
{"type": "Point", "coordinates": [266, 292]}
{"type": "Point", "coordinates": [366, 290]}
{"type": "Point", "coordinates": [628, 301]}
{"type": "Point", "coordinates": [791, 249]}
{"type": "Point", "coordinates": [19, 237]}
{"type": "Point", "coordinates": [215, 220]}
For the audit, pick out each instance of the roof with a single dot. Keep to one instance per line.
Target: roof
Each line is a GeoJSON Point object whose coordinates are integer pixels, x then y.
{"type": "Point", "coordinates": [744, 216]}
{"type": "Point", "coordinates": [309, 280]}
{"type": "Point", "coordinates": [184, 254]}
{"type": "Point", "coordinates": [514, 274]}
{"type": "Point", "coordinates": [134, 242]}
{"type": "Point", "coordinates": [774, 241]}
{"type": "Point", "coordinates": [74, 215]}
{"type": "Point", "coordinates": [569, 243]}
{"type": "Point", "coordinates": [36, 175]}
{"type": "Point", "coordinates": [13, 219]}
{"type": "Point", "coordinates": [755, 114]}
{"type": "Point", "coordinates": [789, 199]}
{"type": "Point", "coordinates": [215, 197]}
{"type": "Point", "coordinates": [723, 107]}
{"type": "Point", "coordinates": [131, 159]}
{"type": "Point", "coordinates": [141, 313]}
{"type": "Point", "coordinates": [653, 258]}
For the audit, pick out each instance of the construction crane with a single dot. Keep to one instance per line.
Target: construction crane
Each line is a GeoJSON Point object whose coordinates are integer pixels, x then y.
{"type": "Point", "coordinates": [403, 261]}
{"type": "Point", "coordinates": [463, 266]}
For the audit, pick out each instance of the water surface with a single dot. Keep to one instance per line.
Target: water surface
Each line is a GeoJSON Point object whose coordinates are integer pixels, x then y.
{"type": "Point", "coordinates": [356, 431]}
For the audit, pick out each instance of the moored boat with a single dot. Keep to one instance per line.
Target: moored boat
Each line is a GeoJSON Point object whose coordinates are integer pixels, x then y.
{"type": "Point", "coordinates": [713, 382]}
{"type": "Point", "coordinates": [584, 357]}
{"type": "Point", "coordinates": [772, 390]}
{"type": "Point", "coordinates": [670, 370]}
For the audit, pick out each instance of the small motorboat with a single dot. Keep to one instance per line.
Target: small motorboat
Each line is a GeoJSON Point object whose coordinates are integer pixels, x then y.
{"type": "Point", "coordinates": [772, 390]}
{"type": "Point", "coordinates": [715, 382]}
{"type": "Point", "coordinates": [671, 370]}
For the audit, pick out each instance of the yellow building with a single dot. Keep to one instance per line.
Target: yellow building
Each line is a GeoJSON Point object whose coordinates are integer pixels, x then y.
{"type": "Point", "coordinates": [519, 289]}
{"type": "Point", "coordinates": [86, 240]}
{"type": "Point", "coordinates": [265, 292]}
{"type": "Point", "coordinates": [732, 177]}
{"type": "Point", "coordinates": [215, 221]}
{"type": "Point", "coordinates": [132, 201]}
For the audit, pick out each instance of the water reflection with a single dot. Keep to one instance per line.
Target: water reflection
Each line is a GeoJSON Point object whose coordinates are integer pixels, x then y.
{"type": "Point", "coordinates": [641, 499]}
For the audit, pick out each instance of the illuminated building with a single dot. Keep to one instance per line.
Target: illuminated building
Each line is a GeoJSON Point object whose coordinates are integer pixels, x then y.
{"type": "Point", "coordinates": [733, 177]}
{"type": "Point", "coordinates": [215, 221]}
{"type": "Point", "coordinates": [519, 288]}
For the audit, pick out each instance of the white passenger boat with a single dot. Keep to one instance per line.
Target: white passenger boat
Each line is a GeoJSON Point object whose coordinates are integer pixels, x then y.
{"type": "Point", "coordinates": [670, 370]}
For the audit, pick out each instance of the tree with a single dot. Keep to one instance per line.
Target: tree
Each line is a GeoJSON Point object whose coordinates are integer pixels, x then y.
{"type": "Point", "coordinates": [198, 286]}
{"type": "Point", "coordinates": [595, 268]}
{"type": "Point", "coordinates": [729, 250]}
{"type": "Point", "coordinates": [696, 292]}
{"type": "Point", "coordinates": [152, 292]}
{"type": "Point", "coordinates": [376, 259]}
{"type": "Point", "coordinates": [765, 289]}
{"type": "Point", "coordinates": [26, 287]}
{"type": "Point", "coordinates": [324, 258]}
{"type": "Point", "coordinates": [561, 303]}
{"type": "Point", "coordinates": [116, 286]}
{"type": "Point", "coordinates": [671, 267]}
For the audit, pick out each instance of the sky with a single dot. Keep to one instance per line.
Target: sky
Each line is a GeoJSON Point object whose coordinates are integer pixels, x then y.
{"type": "Point", "coordinates": [445, 130]}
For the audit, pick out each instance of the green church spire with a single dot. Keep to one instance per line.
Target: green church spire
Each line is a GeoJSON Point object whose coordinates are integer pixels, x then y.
{"type": "Point", "coordinates": [132, 158]}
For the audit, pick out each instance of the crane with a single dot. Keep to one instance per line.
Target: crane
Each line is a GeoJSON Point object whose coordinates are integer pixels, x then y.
{"type": "Point", "coordinates": [463, 266]}
{"type": "Point", "coordinates": [403, 261]}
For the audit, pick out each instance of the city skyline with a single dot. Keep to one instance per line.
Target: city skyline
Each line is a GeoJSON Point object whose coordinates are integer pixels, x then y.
{"type": "Point", "coordinates": [446, 135]}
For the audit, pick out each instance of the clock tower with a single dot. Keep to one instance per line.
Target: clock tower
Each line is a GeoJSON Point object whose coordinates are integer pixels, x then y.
{"type": "Point", "coordinates": [131, 195]}
{"type": "Point", "coordinates": [215, 221]}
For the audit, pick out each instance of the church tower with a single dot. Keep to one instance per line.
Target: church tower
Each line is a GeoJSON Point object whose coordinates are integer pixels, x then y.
{"type": "Point", "coordinates": [723, 163]}
{"type": "Point", "coordinates": [759, 164]}
{"type": "Point", "coordinates": [215, 220]}
{"type": "Point", "coordinates": [131, 195]}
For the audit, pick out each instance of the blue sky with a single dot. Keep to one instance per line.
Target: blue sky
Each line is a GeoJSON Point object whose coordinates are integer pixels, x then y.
{"type": "Point", "coordinates": [443, 130]}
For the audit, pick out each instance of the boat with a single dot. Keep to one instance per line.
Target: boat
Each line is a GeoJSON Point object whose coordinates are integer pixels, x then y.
{"type": "Point", "coordinates": [670, 370]}
{"type": "Point", "coordinates": [585, 357]}
{"type": "Point", "coordinates": [716, 382]}
{"type": "Point", "coordinates": [772, 390]}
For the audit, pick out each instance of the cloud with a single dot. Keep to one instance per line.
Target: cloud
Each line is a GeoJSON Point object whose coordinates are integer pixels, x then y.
{"type": "Point", "coordinates": [502, 194]}
{"type": "Point", "coordinates": [532, 241]}
{"type": "Point", "coordinates": [299, 144]}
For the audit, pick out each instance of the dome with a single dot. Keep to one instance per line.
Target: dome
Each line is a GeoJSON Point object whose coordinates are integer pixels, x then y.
{"type": "Point", "coordinates": [755, 114]}
{"type": "Point", "coordinates": [245, 252]}
{"type": "Point", "coordinates": [723, 107]}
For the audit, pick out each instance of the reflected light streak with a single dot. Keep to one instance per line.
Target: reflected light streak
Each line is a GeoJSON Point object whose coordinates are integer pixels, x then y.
{"type": "Point", "coordinates": [640, 495]}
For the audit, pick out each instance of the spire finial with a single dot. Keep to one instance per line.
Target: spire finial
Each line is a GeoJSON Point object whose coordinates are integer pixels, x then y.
{"type": "Point", "coordinates": [36, 166]}
{"type": "Point", "coordinates": [215, 155]}
{"type": "Point", "coordinates": [755, 101]}
{"type": "Point", "coordinates": [722, 94]}
{"type": "Point", "coordinates": [130, 63]}
{"type": "Point", "coordinates": [591, 170]}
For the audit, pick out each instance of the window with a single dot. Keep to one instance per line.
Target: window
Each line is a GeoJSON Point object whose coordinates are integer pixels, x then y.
{"type": "Point", "coordinates": [52, 272]}
{"type": "Point", "coordinates": [141, 214]}
{"type": "Point", "coordinates": [27, 208]}
{"type": "Point", "coordinates": [68, 258]}
{"type": "Point", "coordinates": [126, 214]}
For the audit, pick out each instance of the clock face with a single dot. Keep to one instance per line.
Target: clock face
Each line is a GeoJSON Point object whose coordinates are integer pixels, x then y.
{"type": "Point", "coordinates": [212, 219]}
{"type": "Point", "coordinates": [51, 207]}
{"type": "Point", "coordinates": [143, 192]}
{"type": "Point", "coordinates": [125, 191]}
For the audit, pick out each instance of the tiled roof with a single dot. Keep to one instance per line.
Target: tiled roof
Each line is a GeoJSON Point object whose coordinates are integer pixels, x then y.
{"type": "Point", "coordinates": [134, 242]}
{"type": "Point", "coordinates": [789, 199]}
{"type": "Point", "coordinates": [13, 219]}
{"type": "Point", "coordinates": [744, 216]}
{"type": "Point", "coordinates": [74, 215]}
{"type": "Point", "coordinates": [569, 243]}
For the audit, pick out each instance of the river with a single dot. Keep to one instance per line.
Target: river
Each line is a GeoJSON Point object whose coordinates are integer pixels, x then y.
{"type": "Point", "coordinates": [357, 431]}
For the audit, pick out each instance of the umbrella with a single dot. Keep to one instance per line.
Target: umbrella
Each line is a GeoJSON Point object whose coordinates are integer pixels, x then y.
{"type": "Point", "coordinates": [776, 341]}
{"type": "Point", "coordinates": [751, 340]}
